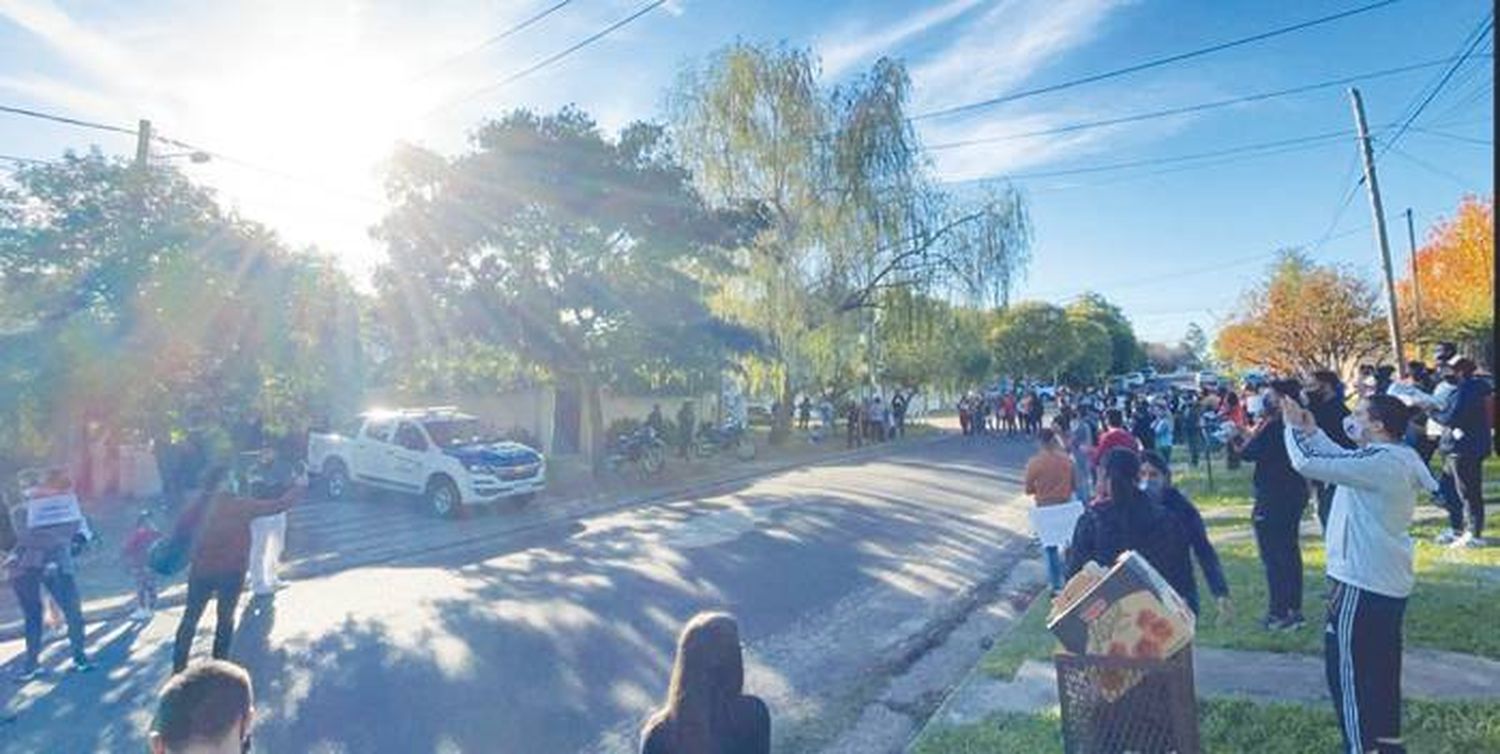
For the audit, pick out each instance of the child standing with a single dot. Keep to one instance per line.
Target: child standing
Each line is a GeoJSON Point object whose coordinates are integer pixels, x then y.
{"type": "Point", "coordinates": [138, 557]}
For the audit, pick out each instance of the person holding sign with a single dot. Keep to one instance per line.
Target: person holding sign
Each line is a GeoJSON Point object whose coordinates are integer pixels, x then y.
{"type": "Point", "coordinates": [45, 524]}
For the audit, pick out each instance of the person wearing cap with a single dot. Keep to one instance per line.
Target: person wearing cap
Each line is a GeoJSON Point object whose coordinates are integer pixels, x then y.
{"type": "Point", "coordinates": [1465, 419]}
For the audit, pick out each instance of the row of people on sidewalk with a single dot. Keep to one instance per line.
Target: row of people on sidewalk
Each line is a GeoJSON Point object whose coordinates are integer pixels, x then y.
{"type": "Point", "coordinates": [1011, 413]}
{"type": "Point", "coordinates": [870, 420]}
{"type": "Point", "coordinates": [209, 707]}
{"type": "Point", "coordinates": [222, 537]}
{"type": "Point", "coordinates": [1371, 483]}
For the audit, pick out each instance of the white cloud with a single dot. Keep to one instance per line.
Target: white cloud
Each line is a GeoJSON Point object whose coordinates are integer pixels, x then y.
{"type": "Point", "coordinates": [1006, 45]}
{"type": "Point", "coordinates": [853, 46]}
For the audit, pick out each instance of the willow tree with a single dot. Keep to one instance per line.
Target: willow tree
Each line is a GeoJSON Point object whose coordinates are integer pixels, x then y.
{"type": "Point", "coordinates": [851, 208]}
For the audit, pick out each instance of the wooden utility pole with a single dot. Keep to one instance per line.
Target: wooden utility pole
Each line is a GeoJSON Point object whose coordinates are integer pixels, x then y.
{"type": "Point", "coordinates": [142, 143]}
{"type": "Point", "coordinates": [1380, 236]}
{"type": "Point", "coordinates": [1416, 291]}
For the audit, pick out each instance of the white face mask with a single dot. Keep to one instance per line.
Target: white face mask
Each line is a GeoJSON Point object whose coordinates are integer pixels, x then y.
{"type": "Point", "coordinates": [1354, 428]}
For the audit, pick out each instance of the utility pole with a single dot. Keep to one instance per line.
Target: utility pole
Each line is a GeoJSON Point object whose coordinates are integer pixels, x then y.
{"type": "Point", "coordinates": [1416, 295]}
{"type": "Point", "coordinates": [1380, 237]}
{"type": "Point", "coordinates": [142, 144]}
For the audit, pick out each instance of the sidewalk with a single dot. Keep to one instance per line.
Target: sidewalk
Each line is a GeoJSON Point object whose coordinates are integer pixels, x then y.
{"type": "Point", "coordinates": [325, 537]}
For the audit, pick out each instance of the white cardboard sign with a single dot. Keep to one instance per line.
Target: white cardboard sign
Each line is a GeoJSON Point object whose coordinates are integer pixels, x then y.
{"type": "Point", "coordinates": [52, 510]}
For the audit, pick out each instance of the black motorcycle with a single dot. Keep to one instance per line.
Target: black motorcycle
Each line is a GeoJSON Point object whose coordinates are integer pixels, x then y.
{"type": "Point", "coordinates": [643, 449]}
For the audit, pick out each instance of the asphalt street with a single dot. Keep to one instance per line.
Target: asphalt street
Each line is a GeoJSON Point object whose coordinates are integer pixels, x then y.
{"type": "Point", "coordinates": [559, 638]}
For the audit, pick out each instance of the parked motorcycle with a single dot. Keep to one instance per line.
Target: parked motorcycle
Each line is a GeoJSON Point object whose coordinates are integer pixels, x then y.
{"type": "Point", "coordinates": [731, 438]}
{"type": "Point", "coordinates": [643, 449]}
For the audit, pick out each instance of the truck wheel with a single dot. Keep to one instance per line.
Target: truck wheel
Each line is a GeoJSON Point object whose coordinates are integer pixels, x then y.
{"type": "Point", "coordinates": [335, 480]}
{"type": "Point", "coordinates": [442, 496]}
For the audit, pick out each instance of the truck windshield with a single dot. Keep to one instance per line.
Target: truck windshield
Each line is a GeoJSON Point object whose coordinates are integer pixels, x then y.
{"type": "Point", "coordinates": [447, 433]}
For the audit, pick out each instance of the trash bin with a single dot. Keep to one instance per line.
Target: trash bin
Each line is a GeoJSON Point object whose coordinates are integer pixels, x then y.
{"type": "Point", "coordinates": [1113, 705]}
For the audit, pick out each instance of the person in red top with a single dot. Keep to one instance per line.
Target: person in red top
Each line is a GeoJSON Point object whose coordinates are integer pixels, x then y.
{"type": "Point", "coordinates": [137, 552]}
{"type": "Point", "coordinates": [220, 555]}
{"type": "Point", "coordinates": [1115, 436]}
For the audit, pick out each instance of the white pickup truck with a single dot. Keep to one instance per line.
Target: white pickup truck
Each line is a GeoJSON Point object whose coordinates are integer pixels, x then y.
{"type": "Point", "coordinates": [439, 453]}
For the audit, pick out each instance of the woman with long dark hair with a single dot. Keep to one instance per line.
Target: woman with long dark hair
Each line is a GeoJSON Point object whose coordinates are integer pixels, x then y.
{"type": "Point", "coordinates": [707, 711]}
{"type": "Point", "coordinates": [1125, 518]}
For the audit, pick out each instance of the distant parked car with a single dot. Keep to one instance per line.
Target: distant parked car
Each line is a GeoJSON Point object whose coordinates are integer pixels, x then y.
{"type": "Point", "coordinates": [758, 414]}
{"type": "Point", "coordinates": [439, 453]}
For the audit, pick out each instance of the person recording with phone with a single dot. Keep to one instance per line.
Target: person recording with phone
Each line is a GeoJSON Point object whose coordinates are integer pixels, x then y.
{"type": "Point", "coordinates": [1369, 554]}
{"type": "Point", "coordinates": [1280, 500]}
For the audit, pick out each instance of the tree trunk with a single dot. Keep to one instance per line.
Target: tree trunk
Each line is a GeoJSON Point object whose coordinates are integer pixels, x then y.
{"type": "Point", "coordinates": [781, 419]}
{"type": "Point", "coordinates": [593, 429]}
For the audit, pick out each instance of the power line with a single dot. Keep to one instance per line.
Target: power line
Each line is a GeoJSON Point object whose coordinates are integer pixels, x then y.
{"type": "Point", "coordinates": [1182, 168]}
{"type": "Point", "coordinates": [1431, 168]}
{"type": "Point", "coordinates": [1478, 36]}
{"type": "Point", "coordinates": [1168, 160]}
{"type": "Point", "coordinates": [1454, 137]}
{"type": "Point", "coordinates": [67, 120]}
{"type": "Point", "coordinates": [1189, 108]}
{"type": "Point", "coordinates": [496, 39]}
{"type": "Point", "coordinates": [553, 58]}
{"type": "Point", "coordinates": [1158, 62]}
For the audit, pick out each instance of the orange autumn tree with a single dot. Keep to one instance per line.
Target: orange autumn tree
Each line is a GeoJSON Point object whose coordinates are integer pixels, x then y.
{"type": "Point", "coordinates": [1455, 281]}
{"type": "Point", "coordinates": [1303, 317]}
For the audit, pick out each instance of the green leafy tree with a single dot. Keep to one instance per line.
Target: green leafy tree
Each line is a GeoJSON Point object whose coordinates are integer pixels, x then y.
{"type": "Point", "coordinates": [1033, 339]}
{"type": "Point", "coordinates": [1126, 352]}
{"type": "Point", "coordinates": [581, 254]}
{"type": "Point", "coordinates": [1195, 341]}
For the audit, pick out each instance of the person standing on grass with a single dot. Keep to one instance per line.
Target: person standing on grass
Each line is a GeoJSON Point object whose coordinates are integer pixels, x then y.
{"type": "Point", "coordinates": [1465, 443]}
{"type": "Point", "coordinates": [1115, 436]}
{"type": "Point", "coordinates": [220, 557]}
{"type": "Point", "coordinates": [1049, 481]}
{"type": "Point", "coordinates": [1156, 482]}
{"type": "Point", "coordinates": [1280, 500]}
{"type": "Point", "coordinates": [1164, 431]}
{"type": "Point", "coordinates": [1369, 551]}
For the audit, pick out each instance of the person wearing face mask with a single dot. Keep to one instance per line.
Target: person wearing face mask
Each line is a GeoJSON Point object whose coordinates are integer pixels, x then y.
{"type": "Point", "coordinates": [1369, 559]}
{"type": "Point", "coordinates": [1125, 518]}
{"type": "Point", "coordinates": [1156, 482]}
{"type": "Point", "coordinates": [1465, 419]}
{"type": "Point", "coordinates": [1327, 406]}
{"type": "Point", "coordinates": [1280, 499]}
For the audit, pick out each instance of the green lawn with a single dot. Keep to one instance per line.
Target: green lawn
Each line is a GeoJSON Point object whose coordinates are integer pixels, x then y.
{"type": "Point", "coordinates": [1236, 726]}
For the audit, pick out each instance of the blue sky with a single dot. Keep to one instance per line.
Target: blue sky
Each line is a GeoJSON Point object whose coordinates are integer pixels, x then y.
{"type": "Point", "coordinates": [320, 89]}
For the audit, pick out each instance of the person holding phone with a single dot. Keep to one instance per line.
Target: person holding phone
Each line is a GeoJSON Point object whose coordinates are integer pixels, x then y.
{"type": "Point", "coordinates": [1280, 499]}
{"type": "Point", "coordinates": [1370, 552]}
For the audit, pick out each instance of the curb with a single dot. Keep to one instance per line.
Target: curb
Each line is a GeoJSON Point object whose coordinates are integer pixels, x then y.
{"type": "Point", "coordinates": [568, 510]}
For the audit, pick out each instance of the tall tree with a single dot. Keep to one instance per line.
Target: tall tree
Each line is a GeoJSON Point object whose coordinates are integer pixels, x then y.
{"type": "Point", "coordinates": [1033, 339]}
{"type": "Point", "coordinates": [1195, 342]}
{"type": "Point", "coordinates": [582, 254]}
{"type": "Point", "coordinates": [851, 210]}
{"type": "Point", "coordinates": [1303, 317]}
{"type": "Point", "coordinates": [1126, 352]}
{"type": "Point", "coordinates": [1455, 281]}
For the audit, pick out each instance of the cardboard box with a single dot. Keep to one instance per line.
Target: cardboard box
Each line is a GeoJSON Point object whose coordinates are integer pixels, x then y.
{"type": "Point", "coordinates": [1129, 611]}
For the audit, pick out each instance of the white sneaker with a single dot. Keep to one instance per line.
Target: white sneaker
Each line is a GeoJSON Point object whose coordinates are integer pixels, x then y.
{"type": "Point", "coordinates": [1446, 538]}
{"type": "Point", "coordinates": [140, 615]}
{"type": "Point", "coordinates": [1476, 542]}
{"type": "Point", "coordinates": [1461, 541]}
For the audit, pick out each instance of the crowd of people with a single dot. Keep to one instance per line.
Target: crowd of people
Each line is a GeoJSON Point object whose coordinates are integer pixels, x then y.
{"type": "Point", "coordinates": [1363, 455]}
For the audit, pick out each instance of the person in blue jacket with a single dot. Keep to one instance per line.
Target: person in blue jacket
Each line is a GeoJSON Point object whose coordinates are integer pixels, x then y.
{"type": "Point", "coordinates": [1465, 442]}
{"type": "Point", "coordinates": [1156, 482]}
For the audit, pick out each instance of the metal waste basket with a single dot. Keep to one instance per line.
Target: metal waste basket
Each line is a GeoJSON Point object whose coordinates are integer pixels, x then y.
{"type": "Point", "coordinates": [1114, 705]}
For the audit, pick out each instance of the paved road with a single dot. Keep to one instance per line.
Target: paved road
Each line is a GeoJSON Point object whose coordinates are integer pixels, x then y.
{"type": "Point", "coordinates": [559, 639]}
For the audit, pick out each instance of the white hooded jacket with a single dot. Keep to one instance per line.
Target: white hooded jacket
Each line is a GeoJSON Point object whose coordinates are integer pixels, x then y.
{"type": "Point", "coordinates": [1368, 535]}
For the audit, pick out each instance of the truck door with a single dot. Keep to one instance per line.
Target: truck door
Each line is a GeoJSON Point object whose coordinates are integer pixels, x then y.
{"type": "Point", "coordinates": [372, 452]}
{"type": "Point", "coordinates": [408, 454]}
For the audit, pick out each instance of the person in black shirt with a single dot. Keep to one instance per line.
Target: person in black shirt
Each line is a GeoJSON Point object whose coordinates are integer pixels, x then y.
{"type": "Point", "coordinates": [1156, 482]}
{"type": "Point", "coordinates": [1329, 412]}
{"type": "Point", "coordinates": [707, 711]}
{"type": "Point", "coordinates": [1280, 499]}
{"type": "Point", "coordinates": [1125, 518]}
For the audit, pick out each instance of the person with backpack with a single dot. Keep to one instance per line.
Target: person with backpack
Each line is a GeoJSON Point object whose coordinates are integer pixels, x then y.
{"type": "Point", "coordinates": [215, 531]}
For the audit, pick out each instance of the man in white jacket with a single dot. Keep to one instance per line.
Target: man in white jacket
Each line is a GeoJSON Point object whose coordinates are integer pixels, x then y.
{"type": "Point", "coordinates": [1369, 560]}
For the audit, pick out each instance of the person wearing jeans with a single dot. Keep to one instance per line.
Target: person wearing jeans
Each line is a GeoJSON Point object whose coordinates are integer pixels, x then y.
{"type": "Point", "coordinates": [43, 558]}
{"type": "Point", "coordinates": [1465, 443]}
{"type": "Point", "coordinates": [1049, 480]}
{"type": "Point", "coordinates": [1370, 569]}
{"type": "Point", "coordinates": [219, 524]}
